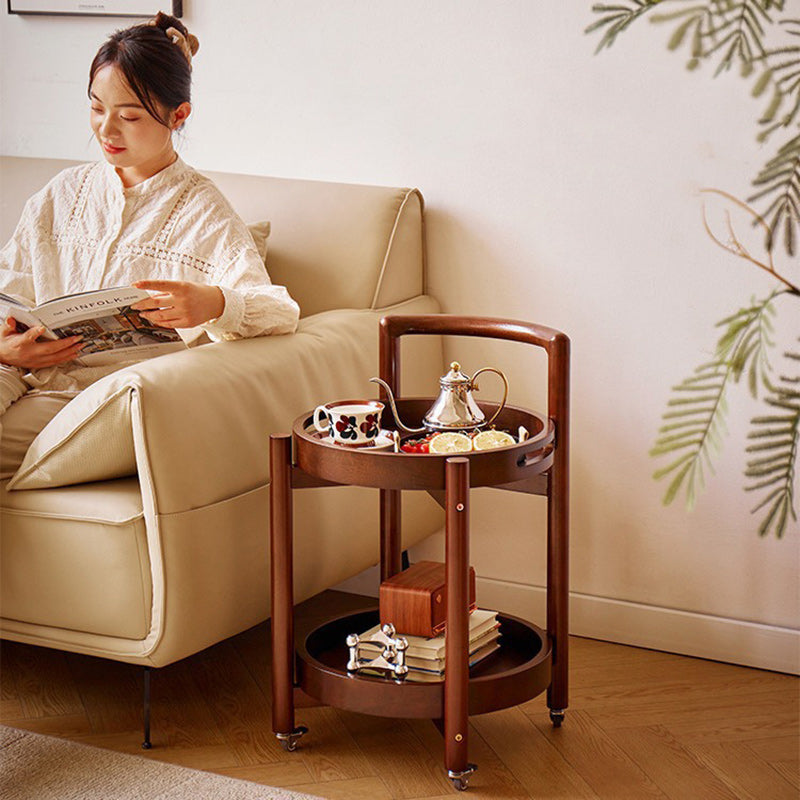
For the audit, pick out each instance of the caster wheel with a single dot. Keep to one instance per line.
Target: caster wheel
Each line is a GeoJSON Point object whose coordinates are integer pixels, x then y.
{"type": "Point", "coordinates": [289, 740]}
{"type": "Point", "coordinates": [147, 745]}
{"type": "Point", "coordinates": [461, 779]}
{"type": "Point", "coordinates": [556, 717]}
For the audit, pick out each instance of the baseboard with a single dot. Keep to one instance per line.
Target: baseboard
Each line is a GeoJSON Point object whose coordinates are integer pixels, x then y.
{"type": "Point", "coordinates": [671, 630]}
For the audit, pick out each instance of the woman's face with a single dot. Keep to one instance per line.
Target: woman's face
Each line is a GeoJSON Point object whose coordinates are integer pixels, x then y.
{"type": "Point", "coordinates": [136, 144]}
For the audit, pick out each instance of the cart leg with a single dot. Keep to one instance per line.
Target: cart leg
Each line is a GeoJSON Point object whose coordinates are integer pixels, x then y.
{"type": "Point", "coordinates": [558, 547]}
{"type": "Point", "coordinates": [391, 548]}
{"type": "Point", "coordinates": [456, 676]}
{"type": "Point", "coordinates": [282, 592]}
{"type": "Point", "coordinates": [557, 716]}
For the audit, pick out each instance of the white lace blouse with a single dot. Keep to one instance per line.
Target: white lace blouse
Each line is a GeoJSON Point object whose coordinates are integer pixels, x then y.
{"type": "Point", "coordinates": [85, 231]}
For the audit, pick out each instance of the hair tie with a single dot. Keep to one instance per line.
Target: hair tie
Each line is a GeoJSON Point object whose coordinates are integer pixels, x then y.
{"type": "Point", "coordinates": [188, 44]}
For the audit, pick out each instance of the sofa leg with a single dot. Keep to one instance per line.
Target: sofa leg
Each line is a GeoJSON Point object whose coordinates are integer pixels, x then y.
{"type": "Point", "coordinates": [146, 744]}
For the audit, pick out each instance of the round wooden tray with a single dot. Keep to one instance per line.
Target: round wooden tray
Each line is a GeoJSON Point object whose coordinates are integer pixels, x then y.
{"type": "Point", "coordinates": [515, 673]}
{"type": "Point", "coordinates": [385, 469]}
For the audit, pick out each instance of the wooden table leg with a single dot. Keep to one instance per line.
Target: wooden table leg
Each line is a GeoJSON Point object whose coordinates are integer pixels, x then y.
{"type": "Point", "coordinates": [558, 590]}
{"type": "Point", "coordinates": [391, 547]}
{"type": "Point", "coordinates": [558, 525]}
{"type": "Point", "coordinates": [456, 676]}
{"type": "Point", "coordinates": [282, 591]}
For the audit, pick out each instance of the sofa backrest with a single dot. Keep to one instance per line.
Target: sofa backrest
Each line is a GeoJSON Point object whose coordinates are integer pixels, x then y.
{"type": "Point", "coordinates": [336, 245]}
{"type": "Point", "coordinates": [333, 245]}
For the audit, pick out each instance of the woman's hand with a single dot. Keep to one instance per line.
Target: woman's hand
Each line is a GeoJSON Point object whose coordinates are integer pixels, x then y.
{"type": "Point", "coordinates": [21, 349]}
{"type": "Point", "coordinates": [180, 304]}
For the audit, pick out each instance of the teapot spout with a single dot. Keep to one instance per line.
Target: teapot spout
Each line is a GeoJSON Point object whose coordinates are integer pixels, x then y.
{"type": "Point", "coordinates": [397, 420]}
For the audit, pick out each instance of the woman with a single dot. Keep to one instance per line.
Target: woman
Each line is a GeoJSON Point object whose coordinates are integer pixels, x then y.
{"type": "Point", "coordinates": [142, 217]}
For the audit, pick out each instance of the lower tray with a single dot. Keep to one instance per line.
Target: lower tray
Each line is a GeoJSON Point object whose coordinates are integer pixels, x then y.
{"type": "Point", "coordinates": [515, 673]}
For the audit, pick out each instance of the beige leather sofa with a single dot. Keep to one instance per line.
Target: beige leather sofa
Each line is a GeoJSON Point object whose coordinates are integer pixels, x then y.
{"type": "Point", "coordinates": [137, 528]}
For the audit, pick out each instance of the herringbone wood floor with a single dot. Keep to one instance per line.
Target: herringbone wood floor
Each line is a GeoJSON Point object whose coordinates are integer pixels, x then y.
{"type": "Point", "coordinates": [641, 724]}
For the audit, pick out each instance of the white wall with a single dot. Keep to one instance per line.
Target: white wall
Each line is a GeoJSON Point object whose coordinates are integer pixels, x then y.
{"type": "Point", "coordinates": [562, 188]}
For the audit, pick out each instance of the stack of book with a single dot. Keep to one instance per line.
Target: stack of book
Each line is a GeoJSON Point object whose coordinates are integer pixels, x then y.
{"type": "Point", "coordinates": [425, 658]}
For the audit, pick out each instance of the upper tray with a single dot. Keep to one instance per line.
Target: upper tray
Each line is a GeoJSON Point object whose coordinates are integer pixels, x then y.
{"type": "Point", "coordinates": [385, 469]}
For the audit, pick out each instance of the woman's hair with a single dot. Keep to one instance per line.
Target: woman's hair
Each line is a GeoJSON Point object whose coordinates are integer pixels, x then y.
{"type": "Point", "coordinates": [154, 65]}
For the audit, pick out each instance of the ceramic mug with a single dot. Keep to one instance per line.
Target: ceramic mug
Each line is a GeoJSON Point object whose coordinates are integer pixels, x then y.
{"type": "Point", "coordinates": [350, 422]}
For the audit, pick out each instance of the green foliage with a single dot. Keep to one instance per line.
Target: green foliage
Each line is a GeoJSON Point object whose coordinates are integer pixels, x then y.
{"type": "Point", "coordinates": [734, 31]}
{"type": "Point", "coordinates": [782, 72]}
{"type": "Point", "coordinates": [695, 422]}
{"type": "Point", "coordinates": [781, 179]}
{"type": "Point", "coordinates": [746, 340]}
{"type": "Point", "coordinates": [695, 416]}
{"type": "Point", "coordinates": [734, 34]}
{"type": "Point", "coordinates": [617, 17]}
{"type": "Point", "coordinates": [776, 438]}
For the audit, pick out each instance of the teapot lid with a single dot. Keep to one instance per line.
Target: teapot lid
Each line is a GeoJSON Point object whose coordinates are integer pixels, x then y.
{"type": "Point", "coordinates": [454, 377]}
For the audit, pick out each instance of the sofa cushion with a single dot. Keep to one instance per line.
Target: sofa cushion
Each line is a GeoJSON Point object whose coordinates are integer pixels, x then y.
{"type": "Point", "coordinates": [76, 558]}
{"type": "Point", "coordinates": [90, 439]}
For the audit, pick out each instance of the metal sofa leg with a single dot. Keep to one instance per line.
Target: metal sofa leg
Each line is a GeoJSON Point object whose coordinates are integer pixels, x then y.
{"type": "Point", "coordinates": [146, 744]}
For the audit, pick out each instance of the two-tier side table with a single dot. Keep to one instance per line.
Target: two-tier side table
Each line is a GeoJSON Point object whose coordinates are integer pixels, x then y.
{"type": "Point", "coordinates": [530, 660]}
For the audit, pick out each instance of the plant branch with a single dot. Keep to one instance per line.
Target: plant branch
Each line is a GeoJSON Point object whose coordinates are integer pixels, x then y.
{"type": "Point", "coordinates": [734, 245]}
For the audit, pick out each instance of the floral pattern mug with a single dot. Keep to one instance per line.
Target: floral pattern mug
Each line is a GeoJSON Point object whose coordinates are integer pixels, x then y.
{"type": "Point", "coordinates": [350, 422]}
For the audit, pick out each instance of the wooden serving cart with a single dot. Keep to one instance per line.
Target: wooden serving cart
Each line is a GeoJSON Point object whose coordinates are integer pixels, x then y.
{"type": "Point", "coordinates": [530, 660]}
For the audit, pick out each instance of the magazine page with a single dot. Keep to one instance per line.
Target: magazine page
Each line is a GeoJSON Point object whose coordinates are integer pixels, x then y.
{"type": "Point", "coordinates": [112, 331]}
{"type": "Point", "coordinates": [24, 317]}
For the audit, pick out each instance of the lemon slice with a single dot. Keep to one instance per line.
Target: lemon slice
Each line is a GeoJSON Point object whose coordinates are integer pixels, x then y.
{"type": "Point", "coordinates": [486, 440]}
{"type": "Point", "coordinates": [450, 443]}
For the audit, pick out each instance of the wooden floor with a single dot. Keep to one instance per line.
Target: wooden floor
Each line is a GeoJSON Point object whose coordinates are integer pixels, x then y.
{"type": "Point", "coordinates": [641, 724]}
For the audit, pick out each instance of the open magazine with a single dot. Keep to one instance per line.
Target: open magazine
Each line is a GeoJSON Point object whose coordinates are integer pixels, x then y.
{"type": "Point", "coordinates": [112, 331]}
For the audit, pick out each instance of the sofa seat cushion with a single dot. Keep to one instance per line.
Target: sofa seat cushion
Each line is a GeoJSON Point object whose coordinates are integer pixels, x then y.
{"type": "Point", "coordinates": [76, 558]}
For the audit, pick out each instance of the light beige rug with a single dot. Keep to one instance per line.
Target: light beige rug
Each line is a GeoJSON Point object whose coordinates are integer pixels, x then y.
{"type": "Point", "coordinates": [35, 767]}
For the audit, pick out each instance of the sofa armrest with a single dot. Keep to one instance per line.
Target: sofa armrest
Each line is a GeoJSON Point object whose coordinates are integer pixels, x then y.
{"type": "Point", "coordinates": [202, 418]}
{"type": "Point", "coordinates": [194, 424]}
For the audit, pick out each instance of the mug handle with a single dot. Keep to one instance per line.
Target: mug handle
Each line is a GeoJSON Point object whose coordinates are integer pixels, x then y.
{"type": "Point", "coordinates": [318, 411]}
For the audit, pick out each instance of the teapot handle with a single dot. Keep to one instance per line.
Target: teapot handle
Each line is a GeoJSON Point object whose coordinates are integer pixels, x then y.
{"type": "Point", "coordinates": [505, 389]}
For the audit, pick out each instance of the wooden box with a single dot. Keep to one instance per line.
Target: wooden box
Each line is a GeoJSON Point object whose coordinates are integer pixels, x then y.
{"type": "Point", "coordinates": [415, 602]}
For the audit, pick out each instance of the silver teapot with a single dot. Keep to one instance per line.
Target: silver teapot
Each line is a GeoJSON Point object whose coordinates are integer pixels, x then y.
{"type": "Point", "coordinates": [455, 408]}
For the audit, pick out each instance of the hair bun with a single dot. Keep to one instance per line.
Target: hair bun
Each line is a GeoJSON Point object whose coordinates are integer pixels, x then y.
{"type": "Point", "coordinates": [178, 33]}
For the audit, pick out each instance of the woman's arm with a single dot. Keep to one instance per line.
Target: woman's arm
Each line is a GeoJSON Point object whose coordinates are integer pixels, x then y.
{"type": "Point", "coordinates": [244, 303]}
{"type": "Point", "coordinates": [254, 306]}
{"type": "Point", "coordinates": [22, 348]}
{"type": "Point", "coordinates": [180, 304]}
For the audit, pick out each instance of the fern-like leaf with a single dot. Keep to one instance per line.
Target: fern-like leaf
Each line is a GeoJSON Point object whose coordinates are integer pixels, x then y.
{"type": "Point", "coordinates": [780, 178]}
{"type": "Point", "coordinates": [617, 17]}
{"type": "Point", "coordinates": [746, 341]}
{"type": "Point", "coordinates": [694, 422]}
{"type": "Point", "coordinates": [783, 72]}
{"type": "Point", "coordinates": [695, 24]}
{"type": "Point", "coordinates": [737, 33]}
{"type": "Point", "coordinates": [776, 440]}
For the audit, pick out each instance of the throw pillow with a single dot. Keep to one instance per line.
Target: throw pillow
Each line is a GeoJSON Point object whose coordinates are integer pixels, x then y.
{"type": "Point", "coordinates": [90, 439]}
{"type": "Point", "coordinates": [260, 232]}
